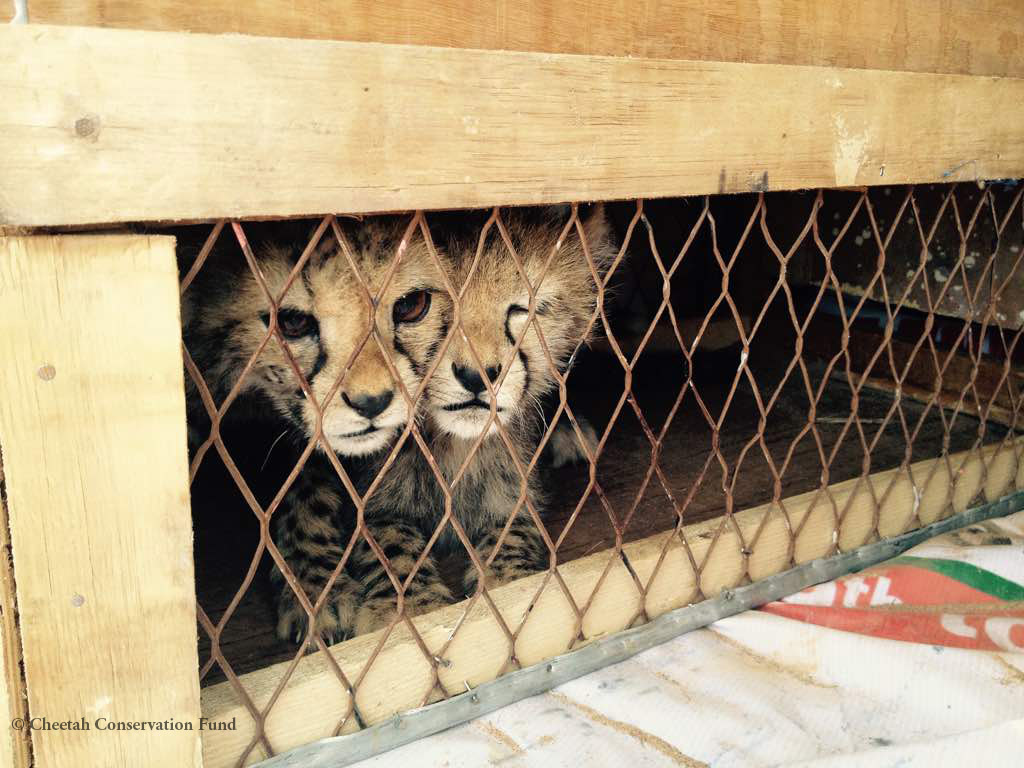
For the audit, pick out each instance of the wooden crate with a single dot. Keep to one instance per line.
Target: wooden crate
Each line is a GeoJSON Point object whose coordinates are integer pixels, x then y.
{"type": "Point", "coordinates": [394, 106]}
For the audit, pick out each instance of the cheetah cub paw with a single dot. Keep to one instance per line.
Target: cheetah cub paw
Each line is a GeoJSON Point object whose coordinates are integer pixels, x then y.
{"type": "Point", "coordinates": [334, 621]}
{"type": "Point", "coordinates": [379, 612]}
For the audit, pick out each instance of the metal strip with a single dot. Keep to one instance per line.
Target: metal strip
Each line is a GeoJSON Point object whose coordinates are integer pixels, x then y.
{"type": "Point", "coordinates": [20, 12]}
{"type": "Point", "coordinates": [415, 724]}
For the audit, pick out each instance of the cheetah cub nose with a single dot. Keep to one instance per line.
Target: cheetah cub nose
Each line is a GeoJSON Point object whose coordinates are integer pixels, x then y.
{"type": "Point", "coordinates": [469, 378]}
{"type": "Point", "coordinates": [369, 406]}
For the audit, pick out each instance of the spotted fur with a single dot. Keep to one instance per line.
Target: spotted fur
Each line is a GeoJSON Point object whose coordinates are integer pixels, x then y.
{"type": "Point", "coordinates": [491, 494]}
{"type": "Point", "coordinates": [314, 526]}
{"type": "Point", "coordinates": [227, 316]}
{"type": "Point", "coordinates": [312, 533]}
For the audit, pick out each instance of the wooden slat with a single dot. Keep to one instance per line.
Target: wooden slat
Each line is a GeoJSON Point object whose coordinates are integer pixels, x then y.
{"type": "Point", "coordinates": [111, 125]}
{"type": "Point", "coordinates": [92, 423]}
{"type": "Point", "coordinates": [980, 37]}
{"type": "Point", "coordinates": [14, 747]}
{"type": "Point", "coordinates": [982, 387]}
{"type": "Point", "coordinates": [399, 677]}
{"type": "Point", "coordinates": [952, 400]}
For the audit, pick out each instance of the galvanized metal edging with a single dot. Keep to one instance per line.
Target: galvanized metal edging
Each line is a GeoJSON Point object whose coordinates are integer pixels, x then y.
{"type": "Point", "coordinates": [488, 697]}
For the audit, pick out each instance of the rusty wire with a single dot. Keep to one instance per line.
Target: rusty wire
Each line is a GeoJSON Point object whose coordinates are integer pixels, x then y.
{"type": "Point", "coordinates": [981, 289]}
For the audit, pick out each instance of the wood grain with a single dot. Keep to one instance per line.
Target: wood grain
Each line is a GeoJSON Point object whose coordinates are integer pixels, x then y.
{"type": "Point", "coordinates": [92, 422]}
{"type": "Point", "coordinates": [976, 388]}
{"type": "Point", "coordinates": [112, 125]}
{"type": "Point", "coordinates": [14, 746]}
{"type": "Point", "coordinates": [399, 678]}
{"type": "Point", "coordinates": [980, 37]}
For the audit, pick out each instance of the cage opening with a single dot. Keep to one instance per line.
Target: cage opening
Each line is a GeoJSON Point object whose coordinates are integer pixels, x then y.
{"type": "Point", "coordinates": [728, 353]}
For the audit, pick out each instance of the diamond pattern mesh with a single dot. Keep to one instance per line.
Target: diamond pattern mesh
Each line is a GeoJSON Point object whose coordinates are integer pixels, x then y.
{"type": "Point", "coordinates": [790, 357]}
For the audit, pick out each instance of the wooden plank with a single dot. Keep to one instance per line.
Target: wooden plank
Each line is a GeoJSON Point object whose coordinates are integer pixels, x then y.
{"type": "Point", "coordinates": [966, 263]}
{"type": "Point", "coordinates": [974, 384]}
{"type": "Point", "coordinates": [14, 745]}
{"type": "Point", "coordinates": [92, 422]}
{"type": "Point", "coordinates": [980, 37]}
{"type": "Point", "coordinates": [113, 125]}
{"type": "Point", "coordinates": [965, 403]}
{"type": "Point", "coordinates": [400, 677]}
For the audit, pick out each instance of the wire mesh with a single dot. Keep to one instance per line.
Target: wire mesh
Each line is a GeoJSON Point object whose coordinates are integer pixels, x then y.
{"type": "Point", "coordinates": [390, 402]}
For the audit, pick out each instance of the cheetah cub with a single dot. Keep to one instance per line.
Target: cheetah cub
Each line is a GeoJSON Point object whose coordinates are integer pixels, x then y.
{"type": "Point", "coordinates": [458, 407]}
{"type": "Point", "coordinates": [323, 320]}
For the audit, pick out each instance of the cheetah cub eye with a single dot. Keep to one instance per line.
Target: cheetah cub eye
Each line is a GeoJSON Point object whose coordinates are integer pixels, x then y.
{"type": "Point", "coordinates": [294, 323]}
{"type": "Point", "coordinates": [412, 307]}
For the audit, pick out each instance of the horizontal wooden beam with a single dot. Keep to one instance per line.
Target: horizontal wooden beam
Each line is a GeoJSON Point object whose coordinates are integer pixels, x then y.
{"type": "Point", "coordinates": [978, 37]}
{"type": "Point", "coordinates": [399, 678]}
{"type": "Point", "coordinates": [965, 404]}
{"type": "Point", "coordinates": [983, 386]}
{"type": "Point", "coordinates": [112, 125]}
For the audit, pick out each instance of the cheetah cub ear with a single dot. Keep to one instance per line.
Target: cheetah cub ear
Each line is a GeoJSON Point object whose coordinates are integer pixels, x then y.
{"type": "Point", "coordinates": [579, 263]}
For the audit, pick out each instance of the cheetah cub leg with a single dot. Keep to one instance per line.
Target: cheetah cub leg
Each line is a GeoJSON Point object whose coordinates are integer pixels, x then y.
{"type": "Point", "coordinates": [312, 553]}
{"type": "Point", "coordinates": [522, 553]}
{"type": "Point", "coordinates": [402, 544]}
{"type": "Point", "coordinates": [307, 533]}
{"type": "Point", "coordinates": [564, 446]}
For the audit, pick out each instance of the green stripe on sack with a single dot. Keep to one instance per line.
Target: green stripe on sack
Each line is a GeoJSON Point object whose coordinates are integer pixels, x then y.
{"type": "Point", "coordinates": [971, 575]}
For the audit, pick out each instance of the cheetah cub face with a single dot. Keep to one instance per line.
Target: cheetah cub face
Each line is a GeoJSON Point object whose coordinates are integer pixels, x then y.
{"type": "Point", "coordinates": [495, 314]}
{"type": "Point", "coordinates": [324, 318]}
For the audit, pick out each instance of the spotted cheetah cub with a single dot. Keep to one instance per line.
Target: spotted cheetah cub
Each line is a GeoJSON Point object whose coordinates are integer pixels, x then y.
{"type": "Point", "coordinates": [459, 410]}
{"type": "Point", "coordinates": [323, 321]}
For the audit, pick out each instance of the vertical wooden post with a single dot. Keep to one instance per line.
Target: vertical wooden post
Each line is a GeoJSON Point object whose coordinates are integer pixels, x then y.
{"type": "Point", "coordinates": [14, 744]}
{"type": "Point", "coordinates": [92, 426]}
